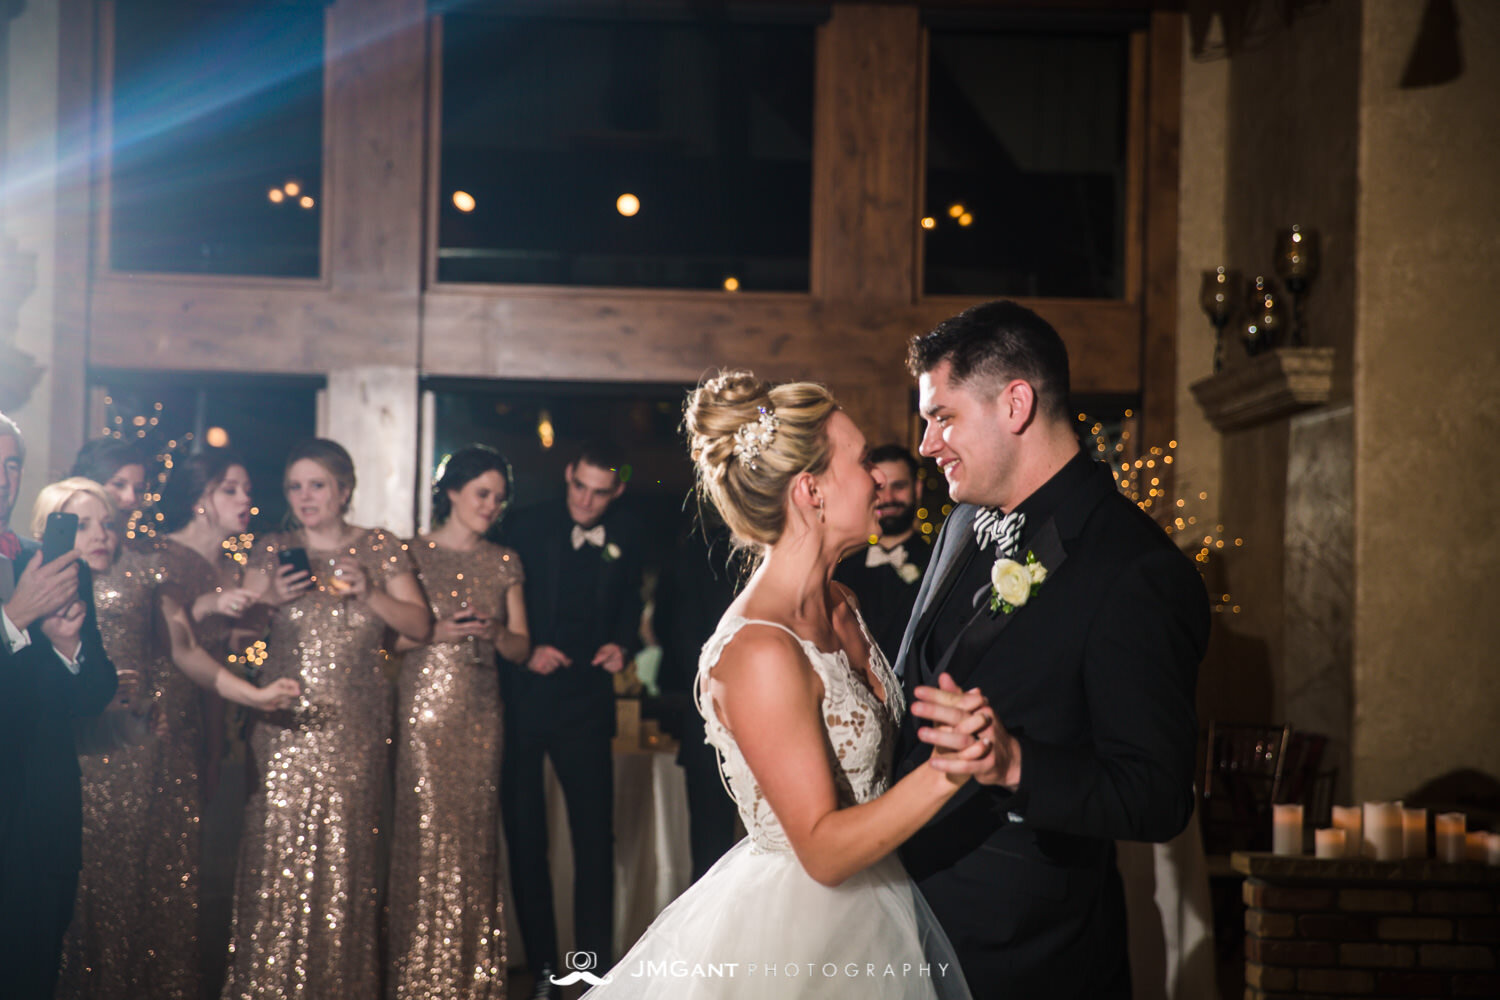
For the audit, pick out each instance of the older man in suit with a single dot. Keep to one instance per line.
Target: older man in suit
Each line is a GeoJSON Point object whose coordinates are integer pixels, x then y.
{"type": "Point", "coordinates": [53, 669]}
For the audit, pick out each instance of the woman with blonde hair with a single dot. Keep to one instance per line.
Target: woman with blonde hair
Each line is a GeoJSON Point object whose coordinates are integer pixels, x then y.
{"type": "Point", "coordinates": [803, 710]}
{"type": "Point", "coordinates": [116, 946]}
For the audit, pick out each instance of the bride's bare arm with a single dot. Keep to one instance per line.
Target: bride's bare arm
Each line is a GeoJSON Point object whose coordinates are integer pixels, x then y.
{"type": "Point", "coordinates": [770, 698]}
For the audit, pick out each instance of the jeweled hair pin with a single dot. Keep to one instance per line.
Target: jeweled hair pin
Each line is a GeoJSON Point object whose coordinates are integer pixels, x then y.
{"type": "Point", "coordinates": [754, 436]}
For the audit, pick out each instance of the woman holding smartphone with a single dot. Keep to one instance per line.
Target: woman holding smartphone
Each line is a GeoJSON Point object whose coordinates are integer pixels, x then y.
{"type": "Point", "coordinates": [305, 912]}
{"type": "Point", "coordinates": [447, 889]}
{"type": "Point", "coordinates": [135, 919]}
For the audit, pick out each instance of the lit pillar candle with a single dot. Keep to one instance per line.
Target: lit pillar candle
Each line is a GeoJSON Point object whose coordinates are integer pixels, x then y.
{"type": "Point", "coordinates": [1414, 833]}
{"type": "Point", "coordinates": [1350, 819]}
{"type": "Point", "coordinates": [1330, 843]}
{"type": "Point", "coordinates": [1449, 834]}
{"type": "Point", "coordinates": [1477, 847]}
{"type": "Point", "coordinates": [1286, 829]}
{"type": "Point", "coordinates": [1382, 831]}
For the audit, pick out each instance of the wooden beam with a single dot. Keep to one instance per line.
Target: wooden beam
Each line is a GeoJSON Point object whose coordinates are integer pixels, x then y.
{"type": "Point", "coordinates": [560, 333]}
{"type": "Point", "coordinates": [375, 164]}
{"type": "Point", "coordinates": [1159, 315]}
{"type": "Point", "coordinates": [197, 324]}
{"type": "Point", "coordinates": [70, 263]}
{"type": "Point", "coordinates": [866, 143]}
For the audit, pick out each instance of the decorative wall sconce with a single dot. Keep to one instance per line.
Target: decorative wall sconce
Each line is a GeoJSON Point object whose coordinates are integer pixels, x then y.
{"type": "Point", "coordinates": [1265, 319]}
{"type": "Point", "coordinates": [1219, 296]}
{"type": "Point", "coordinates": [1297, 265]}
{"type": "Point", "coordinates": [1265, 316]}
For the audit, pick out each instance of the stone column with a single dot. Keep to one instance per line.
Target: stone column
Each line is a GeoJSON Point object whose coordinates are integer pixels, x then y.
{"type": "Point", "coordinates": [373, 412]}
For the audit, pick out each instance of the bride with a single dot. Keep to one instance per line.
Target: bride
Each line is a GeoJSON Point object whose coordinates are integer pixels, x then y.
{"type": "Point", "coordinates": [803, 710]}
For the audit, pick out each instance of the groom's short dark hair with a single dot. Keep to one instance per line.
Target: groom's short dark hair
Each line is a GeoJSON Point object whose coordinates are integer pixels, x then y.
{"type": "Point", "coordinates": [998, 341]}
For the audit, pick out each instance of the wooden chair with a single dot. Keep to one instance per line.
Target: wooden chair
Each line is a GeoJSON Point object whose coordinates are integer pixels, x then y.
{"type": "Point", "coordinates": [1241, 781]}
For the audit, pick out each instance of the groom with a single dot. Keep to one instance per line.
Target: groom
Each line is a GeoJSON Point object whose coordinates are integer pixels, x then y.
{"type": "Point", "coordinates": [1088, 654]}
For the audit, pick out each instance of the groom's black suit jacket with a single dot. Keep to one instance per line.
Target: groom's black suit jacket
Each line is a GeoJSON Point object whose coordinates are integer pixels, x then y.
{"type": "Point", "coordinates": [1095, 678]}
{"type": "Point", "coordinates": [576, 600]}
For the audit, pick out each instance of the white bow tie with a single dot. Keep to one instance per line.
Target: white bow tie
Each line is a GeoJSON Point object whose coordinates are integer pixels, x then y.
{"type": "Point", "coordinates": [877, 556]}
{"type": "Point", "coordinates": [594, 536]}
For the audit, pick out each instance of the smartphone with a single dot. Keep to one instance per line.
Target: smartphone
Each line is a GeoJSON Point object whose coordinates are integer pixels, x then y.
{"type": "Point", "coordinates": [58, 539]}
{"type": "Point", "coordinates": [59, 536]}
{"type": "Point", "coordinates": [295, 557]}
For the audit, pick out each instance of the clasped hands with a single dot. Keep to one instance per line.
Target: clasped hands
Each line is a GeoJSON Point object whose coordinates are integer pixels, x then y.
{"type": "Point", "coordinates": [966, 737]}
{"type": "Point", "coordinates": [545, 659]}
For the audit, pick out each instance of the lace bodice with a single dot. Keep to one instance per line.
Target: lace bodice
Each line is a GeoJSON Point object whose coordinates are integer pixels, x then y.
{"type": "Point", "coordinates": [860, 730]}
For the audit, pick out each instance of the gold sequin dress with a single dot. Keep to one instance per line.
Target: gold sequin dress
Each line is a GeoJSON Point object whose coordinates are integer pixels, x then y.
{"type": "Point", "coordinates": [447, 890]}
{"type": "Point", "coordinates": [103, 957]}
{"type": "Point", "coordinates": [306, 895]}
{"type": "Point", "coordinates": [171, 876]}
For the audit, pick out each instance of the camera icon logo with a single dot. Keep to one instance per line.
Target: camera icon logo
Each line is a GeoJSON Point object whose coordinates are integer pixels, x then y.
{"type": "Point", "coordinates": [581, 964]}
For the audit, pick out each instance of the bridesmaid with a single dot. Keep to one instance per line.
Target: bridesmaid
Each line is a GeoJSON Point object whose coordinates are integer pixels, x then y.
{"type": "Point", "coordinates": [205, 500]}
{"type": "Point", "coordinates": [305, 909]}
{"type": "Point", "coordinates": [447, 925]}
{"type": "Point", "coordinates": [117, 945]}
{"type": "Point", "coordinates": [117, 465]}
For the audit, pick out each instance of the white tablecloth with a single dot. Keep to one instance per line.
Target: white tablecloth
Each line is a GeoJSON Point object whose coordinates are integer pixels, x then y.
{"type": "Point", "coordinates": [652, 861]}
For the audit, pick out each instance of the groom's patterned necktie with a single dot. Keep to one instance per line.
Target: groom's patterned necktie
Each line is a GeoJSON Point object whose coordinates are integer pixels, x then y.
{"type": "Point", "coordinates": [1002, 529]}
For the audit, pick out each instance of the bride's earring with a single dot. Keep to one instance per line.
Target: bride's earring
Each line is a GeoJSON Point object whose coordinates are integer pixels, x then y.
{"type": "Point", "coordinates": [822, 518]}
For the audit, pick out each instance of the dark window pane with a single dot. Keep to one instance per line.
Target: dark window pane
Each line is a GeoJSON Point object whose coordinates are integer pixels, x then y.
{"type": "Point", "coordinates": [215, 107]}
{"type": "Point", "coordinates": [1026, 137]}
{"type": "Point", "coordinates": [548, 121]}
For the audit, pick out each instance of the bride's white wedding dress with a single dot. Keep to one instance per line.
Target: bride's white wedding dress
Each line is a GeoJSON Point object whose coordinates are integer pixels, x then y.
{"type": "Point", "coordinates": [756, 924]}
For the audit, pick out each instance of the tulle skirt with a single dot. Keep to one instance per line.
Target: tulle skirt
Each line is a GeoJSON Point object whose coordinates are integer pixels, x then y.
{"type": "Point", "coordinates": [757, 925]}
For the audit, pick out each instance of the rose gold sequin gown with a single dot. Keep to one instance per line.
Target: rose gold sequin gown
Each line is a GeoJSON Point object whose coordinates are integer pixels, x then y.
{"type": "Point", "coordinates": [306, 896]}
{"type": "Point", "coordinates": [102, 956]}
{"type": "Point", "coordinates": [446, 889]}
{"type": "Point", "coordinates": [175, 850]}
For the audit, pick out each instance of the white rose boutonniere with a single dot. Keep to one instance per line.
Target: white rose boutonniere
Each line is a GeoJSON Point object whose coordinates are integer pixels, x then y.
{"type": "Point", "coordinates": [611, 552]}
{"type": "Point", "coordinates": [909, 573]}
{"type": "Point", "coordinates": [1012, 584]}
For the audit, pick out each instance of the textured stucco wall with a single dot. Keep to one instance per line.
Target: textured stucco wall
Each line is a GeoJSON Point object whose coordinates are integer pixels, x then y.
{"type": "Point", "coordinates": [1290, 143]}
{"type": "Point", "coordinates": [1426, 408]}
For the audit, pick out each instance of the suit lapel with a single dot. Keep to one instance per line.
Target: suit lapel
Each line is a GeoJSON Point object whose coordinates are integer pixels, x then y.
{"type": "Point", "coordinates": [985, 626]}
{"type": "Point", "coordinates": [935, 584]}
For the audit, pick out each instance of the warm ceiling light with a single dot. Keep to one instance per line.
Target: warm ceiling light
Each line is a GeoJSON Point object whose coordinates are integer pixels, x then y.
{"type": "Point", "coordinates": [292, 189]}
{"type": "Point", "coordinates": [276, 195]}
{"type": "Point", "coordinates": [928, 222]}
{"type": "Point", "coordinates": [463, 201]}
{"type": "Point", "coordinates": [627, 204]}
{"type": "Point", "coordinates": [731, 284]}
{"type": "Point", "coordinates": [966, 219]}
{"type": "Point", "coordinates": [216, 437]}
{"type": "Point", "coordinates": [955, 210]}
{"type": "Point", "coordinates": [306, 201]}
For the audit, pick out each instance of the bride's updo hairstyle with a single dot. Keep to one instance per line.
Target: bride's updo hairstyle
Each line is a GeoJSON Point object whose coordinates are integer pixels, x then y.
{"type": "Point", "coordinates": [750, 490]}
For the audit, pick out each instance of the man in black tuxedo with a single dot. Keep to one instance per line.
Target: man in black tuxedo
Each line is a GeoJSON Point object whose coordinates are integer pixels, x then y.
{"type": "Point", "coordinates": [886, 575]}
{"type": "Point", "coordinates": [583, 602]}
{"type": "Point", "coordinates": [53, 669]}
{"type": "Point", "coordinates": [1089, 658]}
